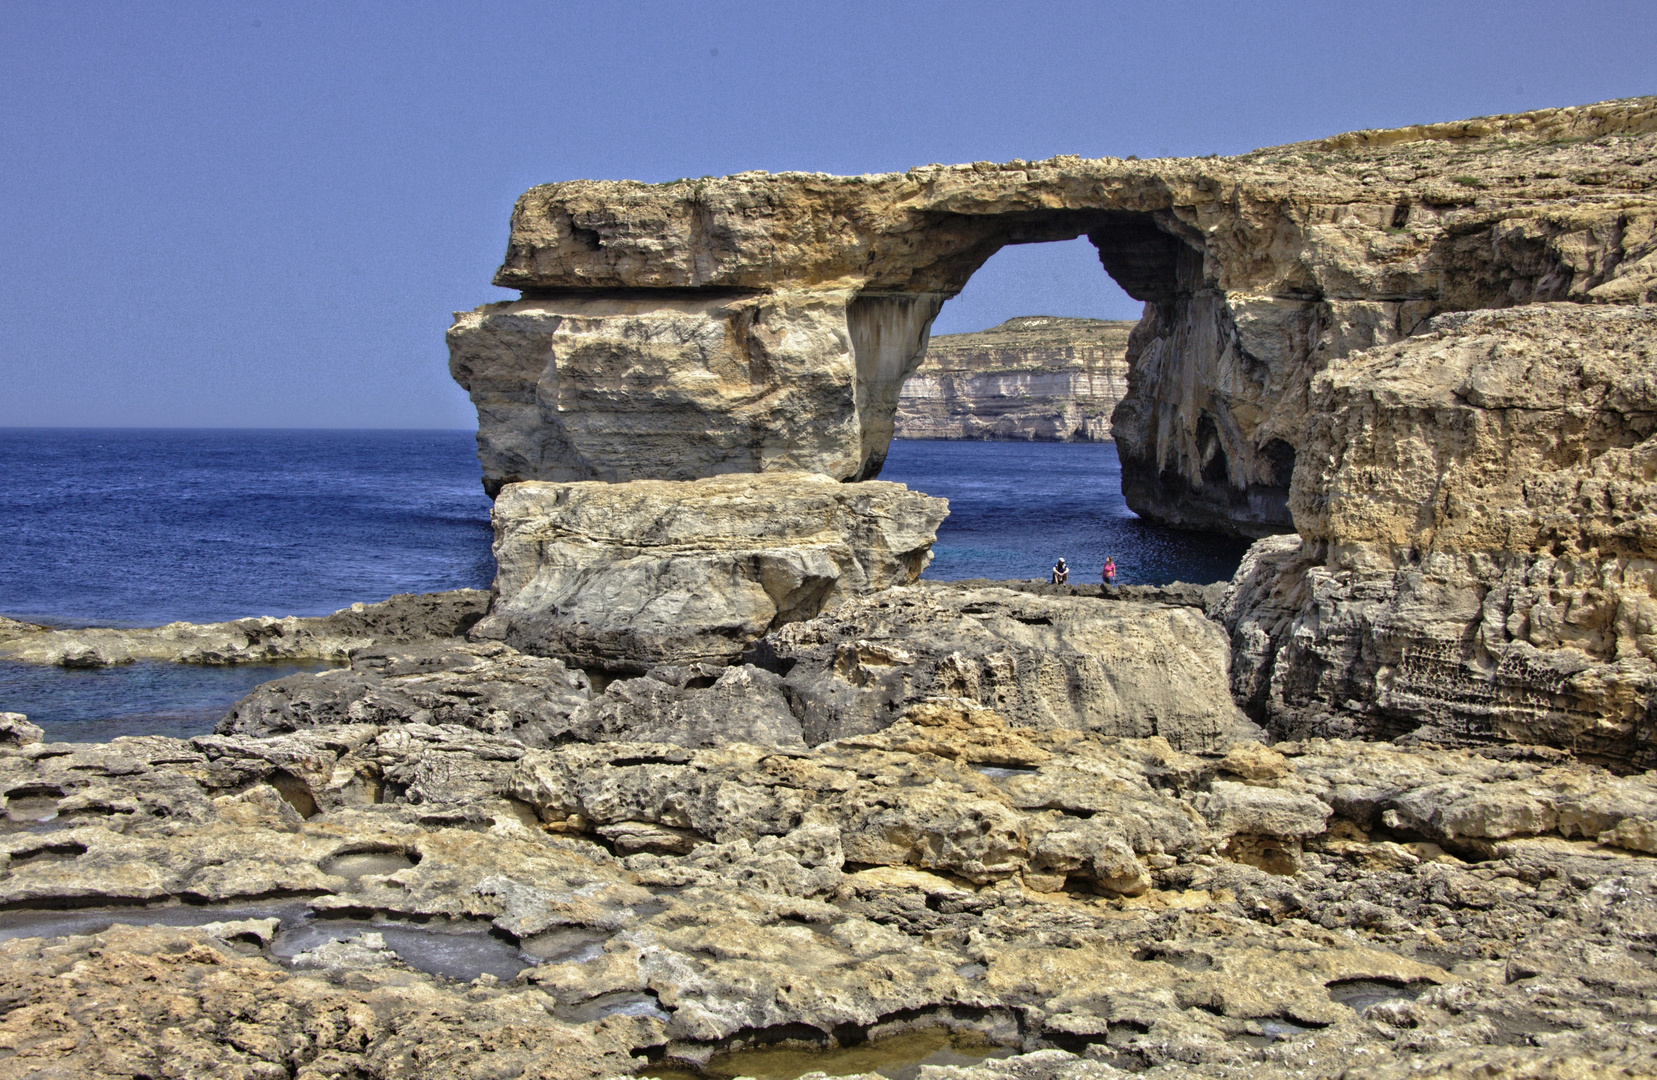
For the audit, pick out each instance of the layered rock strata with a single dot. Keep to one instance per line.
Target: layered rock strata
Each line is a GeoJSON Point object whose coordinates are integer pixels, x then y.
{"type": "Point", "coordinates": [1116, 668]}
{"type": "Point", "coordinates": [404, 618]}
{"type": "Point", "coordinates": [623, 577]}
{"type": "Point", "coordinates": [427, 901]}
{"type": "Point", "coordinates": [1031, 378]}
{"type": "Point", "coordinates": [765, 321]}
{"type": "Point", "coordinates": [1479, 560]}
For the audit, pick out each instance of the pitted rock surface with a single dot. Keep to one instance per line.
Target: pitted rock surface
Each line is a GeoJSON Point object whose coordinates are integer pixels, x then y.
{"type": "Point", "coordinates": [1480, 523]}
{"type": "Point", "coordinates": [627, 576]}
{"type": "Point", "coordinates": [1457, 912]}
{"type": "Point", "coordinates": [1043, 659]}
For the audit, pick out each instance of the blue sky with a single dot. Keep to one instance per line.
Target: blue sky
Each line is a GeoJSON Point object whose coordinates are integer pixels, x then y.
{"type": "Point", "coordinates": [263, 215]}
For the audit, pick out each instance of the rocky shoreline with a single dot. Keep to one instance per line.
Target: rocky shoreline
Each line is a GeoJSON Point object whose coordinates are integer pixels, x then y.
{"type": "Point", "coordinates": [711, 773]}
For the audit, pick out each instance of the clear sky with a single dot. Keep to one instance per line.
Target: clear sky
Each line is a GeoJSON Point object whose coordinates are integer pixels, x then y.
{"type": "Point", "coordinates": [221, 214]}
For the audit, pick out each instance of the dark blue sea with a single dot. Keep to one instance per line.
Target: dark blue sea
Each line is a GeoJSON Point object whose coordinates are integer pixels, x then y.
{"type": "Point", "coordinates": [1016, 507]}
{"type": "Point", "coordinates": [144, 527]}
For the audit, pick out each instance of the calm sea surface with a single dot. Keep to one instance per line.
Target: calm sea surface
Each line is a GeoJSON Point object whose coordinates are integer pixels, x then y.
{"type": "Point", "coordinates": [1016, 507]}
{"type": "Point", "coordinates": [143, 527]}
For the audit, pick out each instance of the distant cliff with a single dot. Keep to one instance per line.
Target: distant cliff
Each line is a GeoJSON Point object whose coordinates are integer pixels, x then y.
{"type": "Point", "coordinates": [1039, 377]}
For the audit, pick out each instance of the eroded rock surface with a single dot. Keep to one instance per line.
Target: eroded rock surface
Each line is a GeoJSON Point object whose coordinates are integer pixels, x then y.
{"type": "Point", "coordinates": [770, 320]}
{"type": "Point", "coordinates": [404, 618]}
{"type": "Point", "coordinates": [1480, 553]}
{"type": "Point", "coordinates": [627, 576]}
{"type": "Point", "coordinates": [1051, 661]}
{"type": "Point", "coordinates": [1098, 904]}
{"type": "Point", "coordinates": [1031, 378]}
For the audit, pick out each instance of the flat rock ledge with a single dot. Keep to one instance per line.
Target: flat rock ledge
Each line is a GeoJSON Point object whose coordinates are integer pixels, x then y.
{"type": "Point", "coordinates": [422, 900]}
{"type": "Point", "coordinates": [406, 617]}
{"type": "Point", "coordinates": [622, 577]}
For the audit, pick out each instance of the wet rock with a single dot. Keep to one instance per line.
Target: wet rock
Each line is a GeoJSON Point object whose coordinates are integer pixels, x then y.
{"type": "Point", "coordinates": [1049, 662]}
{"type": "Point", "coordinates": [624, 577]}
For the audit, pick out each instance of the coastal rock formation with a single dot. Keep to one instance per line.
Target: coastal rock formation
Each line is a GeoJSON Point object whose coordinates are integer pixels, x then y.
{"type": "Point", "coordinates": [497, 690]}
{"type": "Point", "coordinates": [418, 900]}
{"type": "Point", "coordinates": [1036, 378]}
{"type": "Point", "coordinates": [404, 618]}
{"type": "Point", "coordinates": [1479, 511]}
{"type": "Point", "coordinates": [486, 687]}
{"type": "Point", "coordinates": [684, 318]}
{"type": "Point", "coordinates": [623, 577]}
{"type": "Point", "coordinates": [1112, 667]}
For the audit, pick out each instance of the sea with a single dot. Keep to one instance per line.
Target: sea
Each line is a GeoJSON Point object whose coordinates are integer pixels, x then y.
{"type": "Point", "coordinates": [149, 526]}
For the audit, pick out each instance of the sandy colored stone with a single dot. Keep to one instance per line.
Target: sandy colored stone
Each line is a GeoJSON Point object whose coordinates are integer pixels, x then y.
{"type": "Point", "coordinates": [1480, 542]}
{"type": "Point", "coordinates": [770, 320]}
{"type": "Point", "coordinates": [686, 901]}
{"type": "Point", "coordinates": [628, 576]}
{"type": "Point", "coordinates": [1115, 667]}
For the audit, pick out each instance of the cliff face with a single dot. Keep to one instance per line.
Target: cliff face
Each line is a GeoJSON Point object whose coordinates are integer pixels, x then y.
{"type": "Point", "coordinates": [760, 321]}
{"type": "Point", "coordinates": [1478, 553]}
{"type": "Point", "coordinates": [1034, 378]}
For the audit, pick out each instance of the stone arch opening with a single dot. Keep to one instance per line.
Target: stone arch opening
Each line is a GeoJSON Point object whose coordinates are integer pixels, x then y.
{"type": "Point", "coordinates": [757, 323]}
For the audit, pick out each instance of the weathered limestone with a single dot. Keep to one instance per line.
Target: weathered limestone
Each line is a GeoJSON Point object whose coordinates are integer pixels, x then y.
{"type": "Point", "coordinates": [627, 576]}
{"type": "Point", "coordinates": [1113, 667]}
{"type": "Point", "coordinates": [686, 314]}
{"type": "Point", "coordinates": [579, 388]}
{"type": "Point", "coordinates": [404, 618]}
{"type": "Point", "coordinates": [419, 901]}
{"type": "Point", "coordinates": [1479, 508]}
{"type": "Point", "coordinates": [1036, 377]}
{"type": "Point", "coordinates": [487, 687]}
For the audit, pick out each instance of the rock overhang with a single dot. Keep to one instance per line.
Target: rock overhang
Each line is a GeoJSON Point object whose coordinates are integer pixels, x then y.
{"type": "Point", "coordinates": [1258, 271]}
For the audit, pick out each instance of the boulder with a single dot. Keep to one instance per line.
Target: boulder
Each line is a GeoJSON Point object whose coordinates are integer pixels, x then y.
{"type": "Point", "coordinates": [1479, 564]}
{"type": "Point", "coordinates": [1114, 667]}
{"type": "Point", "coordinates": [623, 577]}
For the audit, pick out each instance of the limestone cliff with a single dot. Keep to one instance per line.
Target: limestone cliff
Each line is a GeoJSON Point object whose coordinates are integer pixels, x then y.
{"type": "Point", "coordinates": [1479, 511]}
{"type": "Point", "coordinates": [759, 321]}
{"type": "Point", "coordinates": [1037, 377]}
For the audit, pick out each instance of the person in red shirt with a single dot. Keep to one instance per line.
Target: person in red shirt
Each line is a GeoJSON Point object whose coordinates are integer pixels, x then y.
{"type": "Point", "coordinates": [1108, 574]}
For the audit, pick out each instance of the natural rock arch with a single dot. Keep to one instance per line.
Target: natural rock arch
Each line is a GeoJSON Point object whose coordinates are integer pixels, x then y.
{"type": "Point", "coordinates": [758, 322]}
